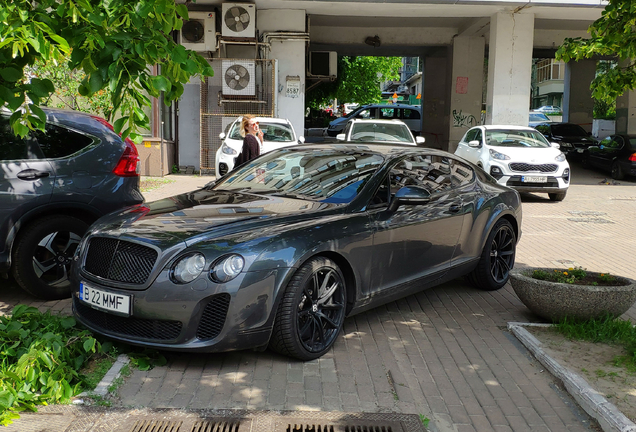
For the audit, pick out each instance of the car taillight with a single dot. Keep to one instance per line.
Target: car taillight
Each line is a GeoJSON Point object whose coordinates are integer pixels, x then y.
{"type": "Point", "coordinates": [128, 164]}
{"type": "Point", "coordinates": [632, 157]}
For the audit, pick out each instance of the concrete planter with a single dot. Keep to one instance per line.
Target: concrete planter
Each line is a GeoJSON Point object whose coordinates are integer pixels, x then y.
{"type": "Point", "coordinates": [554, 301]}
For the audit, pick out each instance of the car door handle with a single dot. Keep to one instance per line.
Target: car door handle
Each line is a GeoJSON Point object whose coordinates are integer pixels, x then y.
{"type": "Point", "coordinates": [32, 174]}
{"type": "Point", "coordinates": [455, 208]}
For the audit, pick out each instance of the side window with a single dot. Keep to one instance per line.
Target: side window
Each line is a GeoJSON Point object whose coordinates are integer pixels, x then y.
{"type": "Point", "coordinates": [59, 142]}
{"type": "Point", "coordinates": [12, 147]}
{"type": "Point", "coordinates": [381, 197]}
{"type": "Point", "coordinates": [387, 113]}
{"type": "Point", "coordinates": [461, 174]}
{"type": "Point", "coordinates": [470, 135]}
{"type": "Point", "coordinates": [478, 136]}
{"type": "Point", "coordinates": [410, 114]}
{"type": "Point", "coordinates": [606, 142]}
{"type": "Point", "coordinates": [544, 129]}
{"type": "Point", "coordinates": [364, 114]}
{"type": "Point", "coordinates": [428, 171]}
{"type": "Point", "coordinates": [346, 129]}
{"type": "Point", "coordinates": [616, 143]}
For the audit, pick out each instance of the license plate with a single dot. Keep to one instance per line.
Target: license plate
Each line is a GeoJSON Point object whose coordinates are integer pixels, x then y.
{"type": "Point", "coordinates": [105, 300]}
{"type": "Point", "coordinates": [534, 179]}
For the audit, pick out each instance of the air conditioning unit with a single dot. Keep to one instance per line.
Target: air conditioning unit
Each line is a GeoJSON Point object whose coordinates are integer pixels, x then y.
{"type": "Point", "coordinates": [323, 64]}
{"type": "Point", "coordinates": [199, 32]}
{"type": "Point", "coordinates": [238, 20]}
{"type": "Point", "coordinates": [239, 78]}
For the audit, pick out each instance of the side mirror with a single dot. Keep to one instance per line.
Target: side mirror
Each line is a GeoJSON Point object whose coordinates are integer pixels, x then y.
{"type": "Point", "coordinates": [340, 137]}
{"type": "Point", "coordinates": [222, 135]}
{"type": "Point", "coordinates": [301, 140]}
{"type": "Point", "coordinates": [420, 140]}
{"type": "Point", "coordinates": [555, 145]}
{"type": "Point", "coordinates": [474, 143]}
{"type": "Point", "coordinates": [589, 134]}
{"type": "Point", "coordinates": [410, 195]}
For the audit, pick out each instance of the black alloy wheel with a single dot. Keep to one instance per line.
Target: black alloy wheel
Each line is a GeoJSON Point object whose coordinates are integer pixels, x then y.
{"type": "Point", "coordinates": [617, 172]}
{"type": "Point", "coordinates": [497, 258]}
{"type": "Point", "coordinates": [311, 312]}
{"type": "Point", "coordinates": [44, 254]}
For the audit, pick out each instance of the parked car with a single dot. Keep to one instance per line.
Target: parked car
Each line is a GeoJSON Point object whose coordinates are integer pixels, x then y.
{"type": "Point", "coordinates": [550, 109]}
{"type": "Point", "coordinates": [616, 154]}
{"type": "Point", "coordinates": [536, 118]}
{"type": "Point", "coordinates": [409, 114]}
{"type": "Point", "coordinates": [294, 241]}
{"type": "Point", "coordinates": [53, 185]}
{"type": "Point", "coordinates": [519, 157]}
{"type": "Point", "coordinates": [379, 131]}
{"type": "Point", "coordinates": [277, 133]}
{"type": "Point", "coordinates": [572, 138]}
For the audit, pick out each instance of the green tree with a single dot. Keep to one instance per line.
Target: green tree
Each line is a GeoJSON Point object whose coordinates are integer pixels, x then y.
{"type": "Point", "coordinates": [113, 43]}
{"type": "Point", "coordinates": [358, 81]}
{"type": "Point", "coordinates": [613, 34]}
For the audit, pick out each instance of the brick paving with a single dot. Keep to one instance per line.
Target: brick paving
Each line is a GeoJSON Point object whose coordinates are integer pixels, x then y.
{"type": "Point", "coordinates": [444, 353]}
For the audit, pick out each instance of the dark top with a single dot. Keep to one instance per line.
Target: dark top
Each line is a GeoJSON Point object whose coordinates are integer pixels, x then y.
{"type": "Point", "coordinates": [251, 149]}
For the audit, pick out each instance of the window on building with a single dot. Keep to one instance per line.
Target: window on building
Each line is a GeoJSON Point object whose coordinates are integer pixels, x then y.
{"type": "Point", "coordinates": [549, 69]}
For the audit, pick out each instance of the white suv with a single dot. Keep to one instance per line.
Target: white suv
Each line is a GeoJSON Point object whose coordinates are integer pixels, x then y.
{"type": "Point", "coordinates": [519, 157]}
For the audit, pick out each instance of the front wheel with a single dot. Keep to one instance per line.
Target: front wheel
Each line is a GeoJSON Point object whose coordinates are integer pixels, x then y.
{"type": "Point", "coordinates": [497, 258]}
{"type": "Point", "coordinates": [617, 171]}
{"type": "Point", "coordinates": [44, 253]}
{"type": "Point", "coordinates": [557, 196]}
{"type": "Point", "coordinates": [311, 312]}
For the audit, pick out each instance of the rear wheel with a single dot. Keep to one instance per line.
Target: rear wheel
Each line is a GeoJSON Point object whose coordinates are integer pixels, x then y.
{"type": "Point", "coordinates": [557, 196]}
{"type": "Point", "coordinates": [44, 253]}
{"type": "Point", "coordinates": [497, 258]}
{"type": "Point", "coordinates": [617, 171]}
{"type": "Point", "coordinates": [311, 312]}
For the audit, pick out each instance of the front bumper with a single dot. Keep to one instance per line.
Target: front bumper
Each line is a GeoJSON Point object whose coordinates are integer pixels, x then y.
{"type": "Point", "coordinates": [205, 317]}
{"type": "Point", "coordinates": [555, 181]}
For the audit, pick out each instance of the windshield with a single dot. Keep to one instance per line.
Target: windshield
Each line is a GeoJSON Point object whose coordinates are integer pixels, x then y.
{"type": "Point", "coordinates": [568, 130]}
{"type": "Point", "coordinates": [327, 175]}
{"type": "Point", "coordinates": [277, 132]}
{"type": "Point", "coordinates": [381, 132]}
{"type": "Point", "coordinates": [538, 117]}
{"type": "Point", "coordinates": [516, 138]}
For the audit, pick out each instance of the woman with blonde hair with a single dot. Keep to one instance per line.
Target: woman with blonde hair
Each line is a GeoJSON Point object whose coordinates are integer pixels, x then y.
{"type": "Point", "coordinates": [252, 141]}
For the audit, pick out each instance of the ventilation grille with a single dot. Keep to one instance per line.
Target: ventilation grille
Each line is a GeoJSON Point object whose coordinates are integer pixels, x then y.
{"type": "Point", "coordinates": [119, 260]}
{"type": "Point", "coordinates": [216, 426]}
{"type": "Point", "coordinates": [213, 317]}
{"type": "Point", "coordinates": [155, 426]}
{"type": "Point", "coordinates": [128, 326]}
{"type": "Point", "coordinates": [525, 167]}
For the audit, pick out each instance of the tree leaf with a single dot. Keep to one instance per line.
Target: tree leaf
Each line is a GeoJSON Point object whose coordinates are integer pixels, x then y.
{"type": "Point", "coordinates": [160, 83]}
{"type": "Point", "coordinates": [89, 345]}
{"type": "Point", "coordinates": [11, 74]}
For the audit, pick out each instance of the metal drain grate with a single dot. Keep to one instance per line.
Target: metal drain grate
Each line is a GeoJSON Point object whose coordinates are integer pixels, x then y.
{"type": "Point", "coordinates": [597, 220]}
{"type": "Point", "coordinates": [156, 426]}
{"type": "Point", "coordinates": [369, 429]}
{"type": "Point", "coordinates": [216, 426]}
{"type": "Point", "coordinates": [345, 424]}
{"type": "Point", "coordinates": [310, 428]}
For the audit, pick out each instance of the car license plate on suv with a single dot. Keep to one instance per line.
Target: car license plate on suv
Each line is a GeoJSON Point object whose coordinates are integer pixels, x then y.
{"type": "Point", "coordinates": [534, 179]}
{"type": "Point", "coordinates": [105, 300]}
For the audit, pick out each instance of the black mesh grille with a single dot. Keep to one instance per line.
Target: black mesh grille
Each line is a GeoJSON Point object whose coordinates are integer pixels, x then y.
{"type": "Point", "coordinates": [524, 167]}
{"type": "Point", "coordinates": [119, 260]}
{"type": "Point", "coordinates": [129, 326]}
{"type": "Point", "coordinates": [213, 317]}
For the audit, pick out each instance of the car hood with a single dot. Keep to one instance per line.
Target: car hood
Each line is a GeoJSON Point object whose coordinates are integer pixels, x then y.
{"type": "Point", "coordinates": [531, 155]}
{"type": "Point", "coordinates": [339, 121]}
{"type": "Point", "coordinates": [267, 145]}
{"type": "Point", "coordinates": [192, 216]}
{"type": "Point", "coordinates": [574, 139]}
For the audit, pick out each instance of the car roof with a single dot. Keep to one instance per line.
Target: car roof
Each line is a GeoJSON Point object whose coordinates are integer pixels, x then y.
{"type": "Point", "coordinates": [375, 148]}
{"type": "Point", "coordinates": [390, 121]}
{"type": "Point", "coordinates": [267, 120]}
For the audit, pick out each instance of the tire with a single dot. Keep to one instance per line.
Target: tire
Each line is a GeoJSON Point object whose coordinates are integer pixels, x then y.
{"type": "Point", "coordinates": [497, 258]}
{"type": "Point", "coordinates": [617, 172]}
{"type": "Point", "coordinates": [585, 161]}
{"type": "Point", "coordinates": [305, 329]}
{"type": "Point", "coordinates": [43, 255]}
{"type": "Point", "coordinates": [557, 196]}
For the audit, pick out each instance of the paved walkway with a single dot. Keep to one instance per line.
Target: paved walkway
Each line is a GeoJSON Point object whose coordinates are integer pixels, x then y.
{"type": "Point", "coordinates": [444, 353]}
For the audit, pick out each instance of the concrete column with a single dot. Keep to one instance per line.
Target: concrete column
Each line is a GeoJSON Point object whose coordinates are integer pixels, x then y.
{"type": "Point", "coordinates": [435, 102]}
{"type": "Point", "coordinates": [578, 104]}
{"type": "Point", "coordinates": [509, 68]}
{"type": "Point", "coordinates": [466, 86]}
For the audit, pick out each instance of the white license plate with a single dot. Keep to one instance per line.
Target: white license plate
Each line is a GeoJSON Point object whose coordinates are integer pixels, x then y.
{"type": "Point", "coordinates": [105, 300]}
{"type": "Point", "coordinates": [534, 179]}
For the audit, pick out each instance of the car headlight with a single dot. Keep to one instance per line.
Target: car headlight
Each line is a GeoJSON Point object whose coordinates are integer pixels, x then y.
{"type": "Point", "coordinates": [228, 150]}
{"type": "Point", "coordinates": [227, 268]}
{"type": "Point", "coordinates": [188, 268]}
{"type": "Point", "coordinates": [560, 157]}
{"type": "Point", "coordinates": [496, 155]}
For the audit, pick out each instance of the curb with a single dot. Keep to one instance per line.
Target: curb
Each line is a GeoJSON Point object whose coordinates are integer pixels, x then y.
{"type": "Point", "coordinates": [606, 413]}
{"type": "Point", "coordinates": [113, 373]}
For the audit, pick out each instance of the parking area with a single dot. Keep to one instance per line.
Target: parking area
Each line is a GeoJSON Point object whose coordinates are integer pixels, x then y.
{"type": "Point", "coordinates": [444, 353]}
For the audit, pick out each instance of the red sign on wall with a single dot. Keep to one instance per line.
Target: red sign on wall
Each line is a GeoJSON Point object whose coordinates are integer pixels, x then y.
{"type": "Point", "coordinates": [462, 85]}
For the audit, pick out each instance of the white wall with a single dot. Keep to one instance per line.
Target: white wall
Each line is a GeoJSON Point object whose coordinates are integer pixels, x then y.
{"type": "Point", "coordinates": [291, 60]}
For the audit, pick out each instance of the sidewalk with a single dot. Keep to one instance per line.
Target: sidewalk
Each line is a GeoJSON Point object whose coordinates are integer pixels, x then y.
{"type": "Point", "coordinates": [444, 353]}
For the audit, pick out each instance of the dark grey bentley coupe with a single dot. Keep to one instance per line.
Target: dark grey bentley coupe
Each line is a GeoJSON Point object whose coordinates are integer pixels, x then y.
{"type": "Point", "coordinates": [279, 251]}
